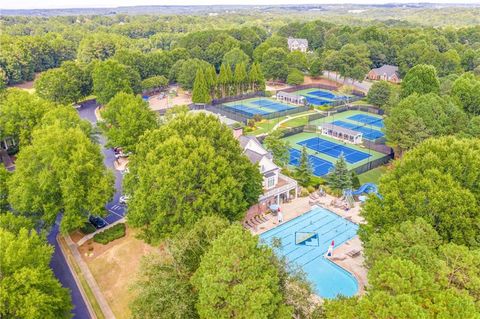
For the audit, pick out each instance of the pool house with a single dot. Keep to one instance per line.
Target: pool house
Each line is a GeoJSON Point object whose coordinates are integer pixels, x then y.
{"type": "Point", "coordinates": [291, 98]}
{"type": "Point", "coordinates": [341, 133]}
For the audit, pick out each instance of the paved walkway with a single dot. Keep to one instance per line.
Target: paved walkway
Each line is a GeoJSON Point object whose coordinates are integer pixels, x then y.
{"type": "Point", "coordinates": [90, 236]}
{"type": "Point", "coordinates": [102, 302]}
{"type": "Point", "coordinates": [291, 118]}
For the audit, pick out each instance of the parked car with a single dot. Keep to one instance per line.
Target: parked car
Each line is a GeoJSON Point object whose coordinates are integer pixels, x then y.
{"type": "Point", "coordinates": [97, 221]}
{"type": "Point", "coordinates": [124, 199]}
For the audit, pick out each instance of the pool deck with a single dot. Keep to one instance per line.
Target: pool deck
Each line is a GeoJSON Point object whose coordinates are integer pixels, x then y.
{"type": "Point", "coordinates": [301, 205]}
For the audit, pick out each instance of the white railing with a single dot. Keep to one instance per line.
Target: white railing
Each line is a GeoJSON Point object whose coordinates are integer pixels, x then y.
{"type": "Point", "coordinates": [291, 184]}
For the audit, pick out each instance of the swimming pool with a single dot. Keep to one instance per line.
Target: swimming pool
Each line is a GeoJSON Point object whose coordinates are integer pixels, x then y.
{"type": "Point", "coordinates": [320, 226]}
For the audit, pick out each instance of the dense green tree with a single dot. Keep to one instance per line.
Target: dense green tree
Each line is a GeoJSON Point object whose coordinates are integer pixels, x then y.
{"type": "Point", "coordinates": [188, 71]}
{"type": "Point", "coordinates": [353, 61]}
{"type": "Point", "coordinates": [125, 119]}
{"type": "Point", "coordinates": [421, 79]}
{"type": "Point", "coordinates": [339, 178]}
{"type": "Point", "coordinates": [241, 282]}
{"type": "Point", "coordinates": [225, 80]}
{"type": "Point", "coordinates": [20, 112]}
{"type": "Point", "coordinates": [470, 59]}
{"type": "Point", "coordinates": [295, 77]}
{"type": "Point", "coordinates": [135, 59]}
{"type": "Point", "coordinates": [66, 117]}
{"type": "Point", "coordinates": [297, 60]}
{"type": "Point", "coordinates": [99, 46]}
{"type": "Point", "coordinates": [158, 63]}
{"type": "Point", "coordinates": [380, 93]}
{"type": "Point", "coordinates": [240, 78]}
{"type": "Point", "coordinates": [4, 175]}
{"type": "Point", "coordinates": [316, 67]}
{"type": "Point", "coordinates": [473, 128]}
{"type": "Point", "coordinates": [256, 78]}
{"type": "Point", "coordinates": [234, 57]}
{"type": "Point", "coordinates": [154, 83]}
{"type": "Point", "coordinates": [274, 64]}
{"type": "Point", "coordinates": [304, 170]}
{"type": "Point", "coordinates": [110, 77]}
{"type": "Point", "coordinates": [28, 287]}
{"type": "Point", "coordinates": [57, 86]}
{"type": "Point", "coordinates": [61, 171]}
{"type": "Point", "coordinates": [279, 148]}
{"type": "Point", "coordinates": [190, 167]}
{"type": "Point", "coordinates": [418, 117]}
{"type": "Point", "coordinates": [164, 289]}
{"type": "Point", "coordinates": [201, 92]}
{"type": "Point", "coordinates": [466, 90]}
{"type": "Point", "coordinates": [430, 182]}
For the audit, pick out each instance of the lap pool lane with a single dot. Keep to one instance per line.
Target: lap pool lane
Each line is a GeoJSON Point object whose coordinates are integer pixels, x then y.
{"type": "Point", "coordinates": [329, 279]}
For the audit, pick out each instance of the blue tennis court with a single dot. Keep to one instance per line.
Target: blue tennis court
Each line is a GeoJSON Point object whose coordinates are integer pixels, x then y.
{"type": "Point", "coordinates": [320, 166]}
{"type": "Point", "coordinates": [335, 150]}
{"type": "Point", "coordinates": [317, 101]}
{"type": "Point", "coordinates": [368, 133]}
{"type": "Point", "coordinates": [246, 110]}
{"type": "Point", "coordinates": [367, 119]}
{"type": "Point", "coordinates": [278, 107]}
{"type": "Point", "coordinates": [325, 94]}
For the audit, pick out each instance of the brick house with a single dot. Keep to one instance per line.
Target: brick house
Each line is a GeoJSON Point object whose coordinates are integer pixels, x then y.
{"type": "Point", "coordinates": [385, 72]}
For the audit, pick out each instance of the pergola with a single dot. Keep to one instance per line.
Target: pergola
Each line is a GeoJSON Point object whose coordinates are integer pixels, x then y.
{"type": "Point", "coordinates": [341, 133]}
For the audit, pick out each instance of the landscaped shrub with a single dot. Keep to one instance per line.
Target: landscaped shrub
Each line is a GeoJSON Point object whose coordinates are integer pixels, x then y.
{"type": "Point", "coordinates": [310, 189]}
{"type": "Point", "coordinates": [115, 232]}
{"type": "Point", "coordinates": [87, 228]}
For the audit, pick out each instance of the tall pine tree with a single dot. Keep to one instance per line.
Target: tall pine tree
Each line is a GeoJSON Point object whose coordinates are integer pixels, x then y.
{"type": "Point", "coordinates": [201, 93]}
{"type": "Point", "coordinates": [339, 177]}
{"type": "Point", "coordinates": [240, 78]}
{"type": "Point", "coordinates": [304, 170]}
{"type": "Point", "coordinates": [256, 78]}
{"type": "Point", "coordinates": [225, 79]}
{"type": "Point", "coordinates": [211, 79]}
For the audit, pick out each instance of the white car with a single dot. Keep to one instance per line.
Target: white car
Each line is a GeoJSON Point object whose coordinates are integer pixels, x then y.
{"type": "Point", "coordinates": [123, 200]}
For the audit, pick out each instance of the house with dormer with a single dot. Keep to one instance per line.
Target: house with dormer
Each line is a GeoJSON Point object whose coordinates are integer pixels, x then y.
{"type": "Point", "coordinates": [296, 44]}
{"type": "Point", "coordinates": [277, 188]}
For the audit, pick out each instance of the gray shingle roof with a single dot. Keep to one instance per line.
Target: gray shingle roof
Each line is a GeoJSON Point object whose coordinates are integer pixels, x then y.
{"type": "Point", "coordinates": [387, 70]}
{"type": "Point", "coordinates": [291, 41]}
{"type": "Point", "coordinates": [339, 129]}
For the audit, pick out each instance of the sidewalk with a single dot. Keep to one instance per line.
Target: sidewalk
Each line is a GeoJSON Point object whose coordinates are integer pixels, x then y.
{"type": "Point", "coordinates": [102, 302]}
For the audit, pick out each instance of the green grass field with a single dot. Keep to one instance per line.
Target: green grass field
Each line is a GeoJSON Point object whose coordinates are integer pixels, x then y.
{"type": "Point", "coordinates": [372, 176]}
{"type": "Point", "coordinates": [266, 126]}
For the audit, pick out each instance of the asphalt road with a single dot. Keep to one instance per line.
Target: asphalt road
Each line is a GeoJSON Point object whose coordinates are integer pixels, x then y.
{"type": "Point", "coordinates": [116, 212]}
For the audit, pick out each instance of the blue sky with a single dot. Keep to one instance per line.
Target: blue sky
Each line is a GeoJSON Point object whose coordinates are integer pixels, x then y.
{"type": "Point", "coordinates": [42, 4]}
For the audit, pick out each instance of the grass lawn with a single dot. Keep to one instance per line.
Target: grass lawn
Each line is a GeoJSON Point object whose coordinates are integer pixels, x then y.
{"type": "Point", "coordinates": [373, 175]}
{"type": "Point", "coordinates": [266, 126]}
{"type": "Point", "coordinates": [116, 268]}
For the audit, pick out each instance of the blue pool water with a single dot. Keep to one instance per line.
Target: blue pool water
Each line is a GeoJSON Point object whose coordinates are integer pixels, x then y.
{"type": "Point", "coordinates": [320, 226]}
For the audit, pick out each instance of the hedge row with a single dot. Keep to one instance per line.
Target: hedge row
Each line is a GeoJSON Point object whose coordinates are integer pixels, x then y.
{"type": "Point", "coordinates": [106, 236]}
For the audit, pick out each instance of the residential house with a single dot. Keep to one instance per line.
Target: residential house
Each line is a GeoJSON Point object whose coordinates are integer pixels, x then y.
{"type": "Point", "coordinates": [277, 187]}
{"type": "Point", "coordinates": [295, 44]}
{"type": "Point", "coordinates": [385, 72]}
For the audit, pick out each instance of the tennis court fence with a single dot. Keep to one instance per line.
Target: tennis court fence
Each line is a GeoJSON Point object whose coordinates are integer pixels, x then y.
{"type": "Point", "coordinates": [355, 93]}
{"type": "Point", "coordinates": [238, 97]}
